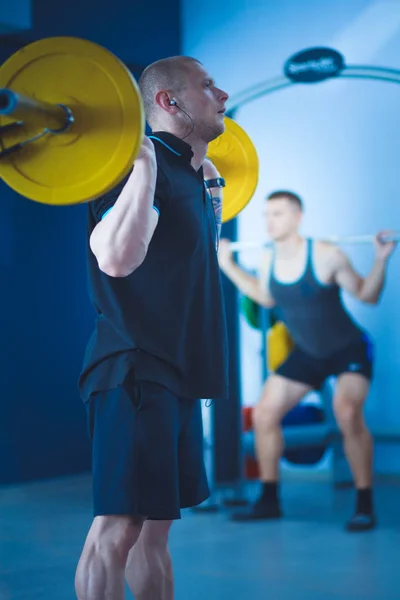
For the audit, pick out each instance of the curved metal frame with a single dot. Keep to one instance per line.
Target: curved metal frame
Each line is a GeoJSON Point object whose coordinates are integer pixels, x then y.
{"type": "Point", "coordinates": [278, 83]}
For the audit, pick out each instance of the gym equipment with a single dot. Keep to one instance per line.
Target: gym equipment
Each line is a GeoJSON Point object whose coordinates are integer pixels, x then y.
{"type": "Point", "coordinates": [334, 239]}
{"type": "Point", "coordinates": [235, 157]}
{"type": "Point", "coordinates": [304, 415]}
{"type": "Point", "coordinates": [306, 434]}
{"type": "Point", "coordinates": [278, 339]}
{"type": "Point", "coordinates": [251, 311]}
{"type": "Point", "coordinates": [82, 109]}
{"type": "Point", "coordinates": [279, 345]}
{"type": "Point", "coordinates": [72, 124]}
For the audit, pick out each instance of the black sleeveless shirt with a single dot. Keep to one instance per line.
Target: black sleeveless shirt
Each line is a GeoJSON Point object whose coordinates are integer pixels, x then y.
{"type": "Point", "coordinates": [313, 311]}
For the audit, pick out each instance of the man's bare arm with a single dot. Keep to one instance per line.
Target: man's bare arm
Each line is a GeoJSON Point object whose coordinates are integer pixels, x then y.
{"type": "Point", "coordinates": [253, 287]}
{"type": "Point", "coordinates": [120, 241]}
{"type": "Point", "coordinates": [367, 289]}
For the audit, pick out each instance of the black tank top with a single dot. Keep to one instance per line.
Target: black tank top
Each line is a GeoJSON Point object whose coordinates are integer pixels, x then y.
{"type": "Point", "coordinates": [313, 311]}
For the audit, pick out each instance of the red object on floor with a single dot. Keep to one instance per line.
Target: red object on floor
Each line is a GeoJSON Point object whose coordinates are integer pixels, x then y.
{"type": "Point", "coordinates": [250, 464]}
{"type": "Point", "coordinates": [247, 416]}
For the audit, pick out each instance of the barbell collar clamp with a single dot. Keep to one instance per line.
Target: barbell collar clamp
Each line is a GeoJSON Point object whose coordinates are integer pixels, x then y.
{"type": "Point", "coordinates": [56, 118]}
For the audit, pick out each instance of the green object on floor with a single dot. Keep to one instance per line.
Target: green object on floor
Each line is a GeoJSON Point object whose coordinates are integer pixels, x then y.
{"type": "Point", "coordinates": [251, 311]}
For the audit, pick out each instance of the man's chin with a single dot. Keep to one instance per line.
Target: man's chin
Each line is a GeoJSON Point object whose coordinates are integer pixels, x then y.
{"type": "Point", "coordinates": [219, 130]}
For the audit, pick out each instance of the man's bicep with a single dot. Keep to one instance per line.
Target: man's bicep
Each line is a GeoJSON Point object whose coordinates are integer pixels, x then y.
{"type": "Point", "coordinates": [346, 277]}
{"type": "Point", "coordinates": [103, 205]}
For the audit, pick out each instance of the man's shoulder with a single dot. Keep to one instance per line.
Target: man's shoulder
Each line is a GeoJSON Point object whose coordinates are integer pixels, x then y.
{"type": "Point", "coordinates": [325, 247]}
{"type": "Point", "coordinates": [266, 255]}
{"type": "Point", "coordinates": [330, 252]}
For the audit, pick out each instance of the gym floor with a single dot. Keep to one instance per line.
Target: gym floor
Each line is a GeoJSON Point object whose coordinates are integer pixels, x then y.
{"type": "Point", "coordinates": [307, 556]}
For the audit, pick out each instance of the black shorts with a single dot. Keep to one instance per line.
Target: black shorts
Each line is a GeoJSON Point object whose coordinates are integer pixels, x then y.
{"type": "Point", "coordinates": [357, 357]}
{"type": "Point", "coordinates": [147, 451]}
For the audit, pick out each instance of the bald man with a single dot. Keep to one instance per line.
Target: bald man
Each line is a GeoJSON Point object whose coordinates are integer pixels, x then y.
{"type": "Point", "coordinates": [160, 340]}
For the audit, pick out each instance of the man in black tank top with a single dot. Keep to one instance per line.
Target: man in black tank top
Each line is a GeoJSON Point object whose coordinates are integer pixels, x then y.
{"type": "Point", "coordinates": [304, 279]}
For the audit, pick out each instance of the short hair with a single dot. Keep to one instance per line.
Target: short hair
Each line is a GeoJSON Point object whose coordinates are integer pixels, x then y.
{"type": "Point", "coordinates": [290, 196]}
{"type": "Point", "coordinates": [167, 73]}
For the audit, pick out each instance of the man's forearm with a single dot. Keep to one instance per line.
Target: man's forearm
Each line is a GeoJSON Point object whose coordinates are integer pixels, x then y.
{"type": "Point", "coordinates": [121, 240]}
{"type": "Point", "coordinates": [372, 285]}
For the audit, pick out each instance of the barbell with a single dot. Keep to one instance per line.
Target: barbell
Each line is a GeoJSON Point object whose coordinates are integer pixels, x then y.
{"type": "Point", "coordinates": [72, 123]}
{"type": "Point", "coordinates": [334, 239]}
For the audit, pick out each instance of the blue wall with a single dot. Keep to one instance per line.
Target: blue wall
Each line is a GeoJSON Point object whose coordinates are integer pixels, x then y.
{"type": "Point", "coordinates": [134, 30]}
{"type": "Point", "coordinates": [15, 16]}
{"type": "Point", "coordinates": [46, 317]}
{"type": "Point", "coordinates": [335, 143]}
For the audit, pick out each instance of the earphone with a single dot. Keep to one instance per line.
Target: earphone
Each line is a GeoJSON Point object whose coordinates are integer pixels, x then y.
{"type": "Point", "coordinates": [173, 102]}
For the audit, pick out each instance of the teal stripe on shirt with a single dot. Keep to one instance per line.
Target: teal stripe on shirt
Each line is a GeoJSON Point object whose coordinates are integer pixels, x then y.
{"type": "Point", "coordinates": [107, 211]}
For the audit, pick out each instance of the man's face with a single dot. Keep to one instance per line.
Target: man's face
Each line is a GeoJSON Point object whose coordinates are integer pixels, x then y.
{"type": "Point", "coordinates": [283, 218]}
{"type": "Point", "coordinates": [204, 102]}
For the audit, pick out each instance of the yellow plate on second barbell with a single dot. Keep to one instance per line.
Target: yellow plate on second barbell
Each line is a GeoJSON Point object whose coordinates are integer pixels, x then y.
{"type": "Point", "coordinates": [100, 148]}
{"type": "Point", "coordinates": [234, 155]}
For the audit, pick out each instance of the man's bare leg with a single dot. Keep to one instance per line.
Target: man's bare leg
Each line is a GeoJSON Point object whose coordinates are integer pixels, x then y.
{"type": "Point", "coordinates": [350, 395]}
{"type": "Point", "coordinates": [279, 396]}
{"type": "Point", "coordinates": [149, 567]}
{"type": "Point", "coordinates": [100, 574]}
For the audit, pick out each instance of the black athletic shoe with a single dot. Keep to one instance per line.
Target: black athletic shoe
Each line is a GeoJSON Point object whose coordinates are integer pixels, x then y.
{"type": "Point", "coordinates": [361, 522]}
{"type": "Point", "coordinates": [258, 512]}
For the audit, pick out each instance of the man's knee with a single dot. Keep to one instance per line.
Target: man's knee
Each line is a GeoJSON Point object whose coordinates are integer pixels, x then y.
{"type": "Point", "coordinates": [155, 534]}
{"type": "Point", "coordinates": [266, 415]}
{"type": "Point", "coordinates": [115, 533]}
{"type": "Point", "coordinates": [279, 396]}
{"type": "Point", "coordinates": [349, 417]}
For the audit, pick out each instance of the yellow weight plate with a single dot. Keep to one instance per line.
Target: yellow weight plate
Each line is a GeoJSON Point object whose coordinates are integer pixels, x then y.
{"type": "Point", "coordinates": [235, 157]}
{"type": "Point", "coordinates": [279, 345]}
{"type": "Point", "coordinates": [99, 149]}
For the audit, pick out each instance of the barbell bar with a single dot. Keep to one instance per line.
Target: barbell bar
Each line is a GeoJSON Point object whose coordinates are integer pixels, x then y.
{"type": "Point", "coordinates": [57, 118]}
{"type": "Point", "coordinates": [335, 239]}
